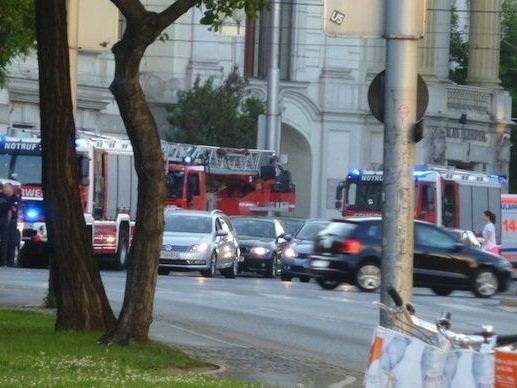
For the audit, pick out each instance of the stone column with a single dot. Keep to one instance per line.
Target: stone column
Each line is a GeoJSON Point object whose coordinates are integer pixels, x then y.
{"type": "Point", "coordinates": [427, 46]}
{"type": "Point", "coordinates": [484, 43]}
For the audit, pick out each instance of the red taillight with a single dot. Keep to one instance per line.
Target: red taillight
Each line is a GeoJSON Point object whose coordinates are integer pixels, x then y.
{"type": "Point", "coordinates": [350, 247]}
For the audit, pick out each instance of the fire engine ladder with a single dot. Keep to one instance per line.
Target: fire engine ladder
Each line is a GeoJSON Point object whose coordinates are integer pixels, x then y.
{"type": "Point", "coordinates": [219, 160]}
{"type": "Point", "coordinates": [463, 175]}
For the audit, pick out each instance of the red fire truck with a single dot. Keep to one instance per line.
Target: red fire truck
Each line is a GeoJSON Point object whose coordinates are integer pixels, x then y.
{"type": "Point", "coordinates": [107, 189]}
{"type": "Point", "coordinates": [444, 196]}
{"type": "Point", "coordinates": [248, 181]}
{"type": "Point", "coordinates": [233, 180]}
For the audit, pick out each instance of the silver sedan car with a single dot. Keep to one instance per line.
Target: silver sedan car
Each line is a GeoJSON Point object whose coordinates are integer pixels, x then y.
{"type": "Point", "coordinates": [199, 241]}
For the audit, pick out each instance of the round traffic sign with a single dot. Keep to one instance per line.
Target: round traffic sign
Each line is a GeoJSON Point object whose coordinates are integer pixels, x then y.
{"type": "Point", "coordinates": [376, 98]}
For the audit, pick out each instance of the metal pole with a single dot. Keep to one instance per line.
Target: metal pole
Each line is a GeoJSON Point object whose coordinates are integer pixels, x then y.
{"type": "Point", "coordinates": [273, 80]}
{"type": "Point", "coordinates": [403, 28]}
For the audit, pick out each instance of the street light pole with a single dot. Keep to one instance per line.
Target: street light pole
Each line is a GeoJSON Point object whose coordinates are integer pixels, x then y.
{"type": "Point", "coordinates": [273, 81]}
{"type": "Point", "coordinates": [403, 30]}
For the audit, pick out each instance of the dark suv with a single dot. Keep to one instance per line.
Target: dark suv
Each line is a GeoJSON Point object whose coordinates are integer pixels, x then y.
{"type": "Point", "coordinates": [350, 251]}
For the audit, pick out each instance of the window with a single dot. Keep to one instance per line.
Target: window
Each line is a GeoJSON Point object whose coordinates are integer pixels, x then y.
{"type": "Point", "coordinates": [449, 205]}
{"type": "Point", "coordinates": [257, 43]}
{"type": "Point", "coordinates": [193, 184]}
{"type": "Point", "coordinates": [433, 237]}
{"type": "Point", "coordinates": [310, 230]}
{"type": "Point", "coordinates": [374, 231]}
{"type": "Point", "coordinates": [188, 224]}
{"type": "Point", "coordinates": [428, 197]}
{"type": "Point", "coordinates": [174, 182]}
{"type": "Point", "coordinates": [25, 169]}
{"type": "Point", "coordinates": [254, 228]}
{"type": "Point", "coordinates": [340, 229]}
{"type": "Point", "coordinates": [364, 196]}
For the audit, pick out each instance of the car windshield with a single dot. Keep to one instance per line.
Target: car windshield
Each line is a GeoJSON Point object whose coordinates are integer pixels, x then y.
{"type": "Point", "coordinates": [254, 228]}
{"type": "Point", "coordinates": [292, 226]}
{"type": "Point", "coordinates": [310, 230]}
{"type": "Point", "coordinates": [339, 229]}
{"type": "Point", "coordinates": [25, 169]}
{"type": "Point", "coordinates": [188, 224]}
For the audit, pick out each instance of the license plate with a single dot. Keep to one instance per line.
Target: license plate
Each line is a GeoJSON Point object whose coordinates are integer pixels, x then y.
{"type": "Point", "coordinates": [319, 263]}
{"type": "Point", "coordinates": [168, 255]}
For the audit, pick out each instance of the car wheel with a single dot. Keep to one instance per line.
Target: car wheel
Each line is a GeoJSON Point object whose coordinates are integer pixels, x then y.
{"type": "Point", "coordinates": [231, 273]}
{"type": "Point", "coordinates": [442, 291]}
{"type": "Point", "coordinates": [485, 284]}
{"type": "Point", "coordinates": [285, 277]}
{"type": "Point", "coordinates": [305, 279]}
{"type": "Point", "coordinates": [328, 284]}
{"type": "Point", "coordinates": [163, 271]}
{"type": "Point", "coordinates": [210, 273]}
{"type": "Point", "coordinates": [122, 250]}
{"type": "Point", "coordinates": [272, 268]}
{"type": "Point", "coordinates": [368, 276]}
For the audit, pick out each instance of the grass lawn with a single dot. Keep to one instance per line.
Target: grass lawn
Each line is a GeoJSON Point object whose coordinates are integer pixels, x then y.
{"type": "Point", "coordinates": [32, 354]}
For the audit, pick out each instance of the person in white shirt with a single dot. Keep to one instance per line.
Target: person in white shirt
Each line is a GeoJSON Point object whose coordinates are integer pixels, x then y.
{"type": "Point", "coordinates": [489, 241]}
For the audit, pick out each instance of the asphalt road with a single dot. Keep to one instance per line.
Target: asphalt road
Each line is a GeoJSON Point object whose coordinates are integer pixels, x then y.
{"type": "Point", "coordinates": [268, 331]}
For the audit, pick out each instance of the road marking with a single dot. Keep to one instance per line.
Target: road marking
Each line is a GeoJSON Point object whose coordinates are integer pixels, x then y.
{"type": "Point", "coordinates": [348, 381]}
{"type": "Point", "coordinates": [337, 299]}
{"type": "Point", "coordinates": [201, 335]}
{"type": "Point", "coordinates": [270, 310]}
{"type": "Point", "coordinates": [459, 306]}
{"type": "Point", "coordinates": [508, 309]}
{"type": "Point", "coordinates": [275, 296]}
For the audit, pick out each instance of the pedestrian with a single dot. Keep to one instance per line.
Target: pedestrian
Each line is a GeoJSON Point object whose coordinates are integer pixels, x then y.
{"type": "Point", "coordinates": [489, 243]}
{"type": "Point", "coordinates": [12, 227]}
{"type": "Point", "coordinates": [4, 226]}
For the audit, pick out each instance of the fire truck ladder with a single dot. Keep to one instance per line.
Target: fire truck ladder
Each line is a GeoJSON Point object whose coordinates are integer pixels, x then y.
{"type": "Point", "coordinates": [220, 160]}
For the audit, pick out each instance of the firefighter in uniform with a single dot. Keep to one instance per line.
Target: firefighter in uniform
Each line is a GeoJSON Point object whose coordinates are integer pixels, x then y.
{"type": "Point", "coordinates": [5, 214]}
{"type": "Point", "coordinates": [12, 230]}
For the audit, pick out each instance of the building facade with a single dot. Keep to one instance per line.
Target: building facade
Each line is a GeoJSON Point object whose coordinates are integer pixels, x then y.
{"type": "Point", "coordinates": [327, 127]}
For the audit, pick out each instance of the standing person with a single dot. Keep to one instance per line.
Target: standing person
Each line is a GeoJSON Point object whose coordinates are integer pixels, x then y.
{"type": "Point", "coordinates": [4, 226]}
{"type": "Point", "coordinates": [12, 227]}
{"type": "Point", "coordinates": [489, 241]}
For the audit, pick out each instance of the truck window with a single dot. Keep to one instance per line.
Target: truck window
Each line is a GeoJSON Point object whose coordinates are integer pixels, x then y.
{"type": "Point", "coordinates": [174, 182]}
{"type": "Point", "coordinates": [364, 196]}
{"type": "Point", "coordinates": [449, 207]}
{"type": "Point", "coordinates": [98, 185]}
{"type": "Point", "coordinates": [193, 185]}
{"type": "Point", "coordinates": [428, 197]}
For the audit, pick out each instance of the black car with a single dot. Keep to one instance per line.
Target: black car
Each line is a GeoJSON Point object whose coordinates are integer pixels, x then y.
{"type": "Point", "coordinates": [261, 242]}
{"type": "Point", "coordinates": [295, 259]}
{"type": "Point", "coordinates": [350, 251]}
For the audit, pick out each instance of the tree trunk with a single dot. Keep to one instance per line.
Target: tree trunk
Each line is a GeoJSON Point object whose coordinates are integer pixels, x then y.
{"type": "Point", "coordinates": [137, 310]}
{"type": "Point", "coordinates": [81, 301]}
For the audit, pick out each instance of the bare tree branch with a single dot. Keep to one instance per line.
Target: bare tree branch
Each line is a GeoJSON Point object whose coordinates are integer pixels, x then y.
{"type": "Point", "coordinates": [132, 10]}
{"type": "Point", "coordinates": [173, 12]}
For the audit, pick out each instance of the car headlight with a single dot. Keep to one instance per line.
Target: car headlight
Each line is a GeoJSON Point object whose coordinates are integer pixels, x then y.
{"type": "Point", "coordinates": [259, 251]}
{"type": "Point", "coordinates": [290, 253]}
{"type": "Point", "coordinates": [199, 248]}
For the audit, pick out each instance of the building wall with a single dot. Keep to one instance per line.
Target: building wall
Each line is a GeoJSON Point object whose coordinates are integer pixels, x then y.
{"type": "Point", "coordinates": [328, 128]}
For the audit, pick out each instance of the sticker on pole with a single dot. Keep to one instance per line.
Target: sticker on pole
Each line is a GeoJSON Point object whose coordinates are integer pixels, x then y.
{"type": "Point", "coordinates": [403, 111]}
{"type": "Point", "coordinates": [363, 18]}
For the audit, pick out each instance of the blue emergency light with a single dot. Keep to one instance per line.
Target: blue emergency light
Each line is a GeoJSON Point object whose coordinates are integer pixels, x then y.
{"type": "Point", "coordinates": [32, 214]}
